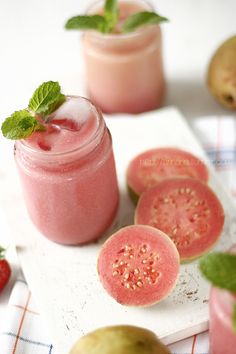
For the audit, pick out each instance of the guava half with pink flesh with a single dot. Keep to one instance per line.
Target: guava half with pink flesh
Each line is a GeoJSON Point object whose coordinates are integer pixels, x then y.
{"type": "Point", "coordinates": [138, 265]}
{"type": "Point", "coordinates": [187, 210]}
{"type": "Point", "coordinates": [152, 166]}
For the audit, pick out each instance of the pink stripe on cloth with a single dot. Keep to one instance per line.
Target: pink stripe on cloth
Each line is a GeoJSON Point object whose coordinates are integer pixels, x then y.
{"type": "Point", "coordinates": [21, 323]}
{"type": "Point", "coordinates": [198, 344]}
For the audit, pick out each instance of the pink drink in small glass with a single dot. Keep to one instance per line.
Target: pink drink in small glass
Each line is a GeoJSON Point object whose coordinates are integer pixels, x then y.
{"type": "Point", "coordinates": [68, 174]}
{"type": "Point", "coordinates": [125, 71]}
{"type": "Point", "coordinates": [222, 335]}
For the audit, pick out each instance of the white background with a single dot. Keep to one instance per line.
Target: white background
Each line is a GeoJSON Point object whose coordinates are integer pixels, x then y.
{"type": "Point", "coordinates": [34, 47]}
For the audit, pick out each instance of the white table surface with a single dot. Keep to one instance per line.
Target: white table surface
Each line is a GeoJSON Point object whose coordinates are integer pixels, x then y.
{"type": "Point", "coordinates": [34, 47]}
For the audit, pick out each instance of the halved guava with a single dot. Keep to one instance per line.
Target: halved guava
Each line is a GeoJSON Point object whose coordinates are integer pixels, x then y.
{"type": "Point", "coordinates": [121, 339]}
{"type": "Point", "coordinates": [187, 210]}
{"type": "Point", "coordinates": [152, 166]}
{"type": "Point", "coordinates": [138, 265]}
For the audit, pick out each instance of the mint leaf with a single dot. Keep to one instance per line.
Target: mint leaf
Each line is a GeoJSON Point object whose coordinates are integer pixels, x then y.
{"type": "Point", "coordinates": [220, 269]}
{"type": "Point", "coordinates": [234, 318]}
{"type": "Point", "coordinates": [111, 15]}
{"type": "Point", "coordinates": [20, 125]}
{"type": "Point", "coordinates": [95, 22]}
{"type": "Point", "coordinates": [141, 18]}
{"type": "Point", "coordinates": [46, 99]}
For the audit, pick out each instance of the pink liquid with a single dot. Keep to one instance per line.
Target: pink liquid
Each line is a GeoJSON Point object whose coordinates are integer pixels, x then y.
{"type": "Point", "coordinates": [68, 175]}
{"type": "Point", "coordinates": [125, 71]}
{"type": "Point", "coordinates": [222, 336]}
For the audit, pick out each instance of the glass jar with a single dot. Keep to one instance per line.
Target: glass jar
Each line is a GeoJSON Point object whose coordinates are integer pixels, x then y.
{"type": "Point", "coordinates": [68, 174]}
{"type": "Point", "coordinates": [221, 333]}
{"type": "Point", "coordinates": [125, 71]}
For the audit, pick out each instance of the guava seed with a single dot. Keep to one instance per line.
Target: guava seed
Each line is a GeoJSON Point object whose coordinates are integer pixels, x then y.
{"type": "Point", "coordinates": [191, 206]}
{"type": "Point", "coordinates": [132, 278]}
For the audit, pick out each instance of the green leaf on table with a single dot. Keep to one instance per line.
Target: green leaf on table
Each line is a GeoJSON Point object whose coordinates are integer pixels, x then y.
{"type": "Point", "coordinates": [141, 18]}
{"type": "Point", "coordinates": [46, 99]}
{"type": "Point", "coordinates": [220, 269]}
{"type": "Point", "coordinates": [86, 22]}
{"type": "Point", "coordinates": [111, 15]}
{"type": "Point", "coordinates": [234, 318]}
{"type": "Point", "coordinates": [20, 125]}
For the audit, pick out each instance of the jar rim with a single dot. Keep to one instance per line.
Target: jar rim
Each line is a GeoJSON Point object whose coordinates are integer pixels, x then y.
{"type": "Point", "coordinates": [50, 154]}
{"type": "Point", "coordinates": [119, 36]}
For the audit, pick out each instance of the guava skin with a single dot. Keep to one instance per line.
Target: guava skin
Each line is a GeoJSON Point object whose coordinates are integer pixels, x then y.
{"type": "Point", "coordinates": [221, 76]}
{"type": "Point", "coordinates": [120, 340]}
{"type": "Point", "coordinates": [133, 196]}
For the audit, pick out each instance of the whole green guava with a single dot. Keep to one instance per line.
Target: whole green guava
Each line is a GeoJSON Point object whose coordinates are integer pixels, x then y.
{"type": "Point", "coordinates": [120, 340]}
{"type": "Point", "coordinates": [221, 77]}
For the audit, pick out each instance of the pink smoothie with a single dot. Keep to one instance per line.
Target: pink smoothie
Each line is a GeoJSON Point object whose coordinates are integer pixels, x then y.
{"type": "Point", "coordinates": [222, 336]}
{"type": "Point", "coordinates": [125, 71]}
{"type": "Point", "coordinates": [68, 174]}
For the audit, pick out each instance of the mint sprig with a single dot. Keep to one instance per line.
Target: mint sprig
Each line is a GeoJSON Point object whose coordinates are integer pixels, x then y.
{"type": "Point", "coordinates": [45, 100]}
{"type": "Point", "coordinates": [140, 19]}
{"type": "Point", "coordinates": [107, 23]}
{"type": "Point", "coordinates": [220, 269]}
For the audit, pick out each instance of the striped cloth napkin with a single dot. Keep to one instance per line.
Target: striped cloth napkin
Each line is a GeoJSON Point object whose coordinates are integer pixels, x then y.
{"type": "Point", "coordinates": [24, 331]}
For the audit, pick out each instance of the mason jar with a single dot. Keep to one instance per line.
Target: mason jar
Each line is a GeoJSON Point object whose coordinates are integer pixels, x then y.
{"type": "Point", "coordinates": [68, 174]}
{"type": "Point", "coordinates": [221, 333]}
{"type": "Point", "coordinates": [124, 72]}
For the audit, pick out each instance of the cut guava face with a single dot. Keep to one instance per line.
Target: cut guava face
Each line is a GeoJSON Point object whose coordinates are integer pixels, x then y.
{"type": "Point", "coordinates": [152, 166]}
{"type": "Point", "coordinates": [120, 339]}
{"type": "Point", "coordinates": [138, 265]}
{"type": "Point", "coordinates": [185, 209]}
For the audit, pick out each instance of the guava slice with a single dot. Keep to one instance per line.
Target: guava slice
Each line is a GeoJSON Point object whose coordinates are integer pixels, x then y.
{"type": "Point", "coordinates": [152, 166]}
{"type": "Point", "coordinates": [121, 339]}
{"type": "Point", "coordinates": [187, 210]}
{"type": "Point", "coordinates": [138, 265]}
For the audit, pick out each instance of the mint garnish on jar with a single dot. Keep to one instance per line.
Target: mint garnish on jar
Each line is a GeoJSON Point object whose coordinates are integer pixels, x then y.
{"type": "Point", "coordinates": [45, 100]}
{"type": "Point", "coordinates": [107, 22]}
{"type": "Point", "coordinates": [220, 269]}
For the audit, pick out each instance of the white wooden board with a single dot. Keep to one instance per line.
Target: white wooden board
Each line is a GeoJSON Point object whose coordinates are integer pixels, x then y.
{"type": "Point", "coordinates": [64, 280]}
